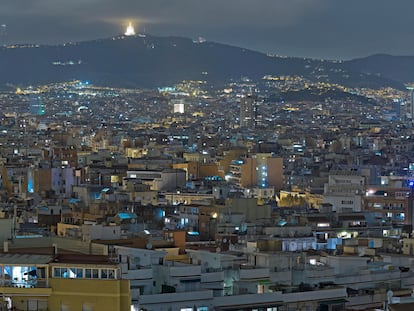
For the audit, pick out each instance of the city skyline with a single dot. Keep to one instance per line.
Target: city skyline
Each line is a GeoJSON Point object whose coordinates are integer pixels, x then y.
{"type": "Point", "coordinates": [314, 28]}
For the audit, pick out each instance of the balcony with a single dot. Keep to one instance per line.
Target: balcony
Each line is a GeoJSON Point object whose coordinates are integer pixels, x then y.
{"type": "Point", "coordinates": [210, 277]}
{"type": "Point", "coordinates": [139, 274]}
{"type": "Point", "coordinates": [252, 273]}
{"type": "Point", "coordinates": [185, 271]}
{"type": "Point", "coordinates": [26, 291]}
{"type": "Point", "coordinates": [174, 300]}
{"type": "Point", "coordinates": [24, 283]}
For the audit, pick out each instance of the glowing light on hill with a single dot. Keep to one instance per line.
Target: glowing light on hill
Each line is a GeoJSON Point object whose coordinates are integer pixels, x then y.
{"type": "Point", "coordinates": [130, 31]}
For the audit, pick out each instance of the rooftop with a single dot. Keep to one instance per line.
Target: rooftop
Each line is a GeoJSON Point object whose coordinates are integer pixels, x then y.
{"type": "Point", "coordinates": [24, 259]}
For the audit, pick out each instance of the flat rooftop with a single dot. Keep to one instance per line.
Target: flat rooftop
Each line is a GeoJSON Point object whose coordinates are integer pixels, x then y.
{"type": "Point", "coordinates": [24, 259]}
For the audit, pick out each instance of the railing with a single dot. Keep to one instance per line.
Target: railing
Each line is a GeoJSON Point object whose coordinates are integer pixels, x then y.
{"type": "Point", "coordinates": [140, 274]}
{"type": "Point", "coordinates": [39, 283]}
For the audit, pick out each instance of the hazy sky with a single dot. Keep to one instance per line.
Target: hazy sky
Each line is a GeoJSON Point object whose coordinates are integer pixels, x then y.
{"type": "Point", "coordinates": [336, 29]}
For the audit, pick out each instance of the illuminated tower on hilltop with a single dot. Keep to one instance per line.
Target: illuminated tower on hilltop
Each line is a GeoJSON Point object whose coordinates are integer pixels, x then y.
{"type": "Point", "coordinates": [130, 31]}
{"type": "Point", "coordinates": [248, 111]}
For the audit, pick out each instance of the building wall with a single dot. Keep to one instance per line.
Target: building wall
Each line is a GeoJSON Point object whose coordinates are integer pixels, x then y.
{"type": "Point", "coordinates": [344, 203]}
{"type": "Point", "coordinates": [228, 157]}
{"type": "Point", "coordinates": [248, 173]}
{"type": "Point", "coordinates": [42, 180]}
{"type": "Point", "coordinates": [389, 203]}
{"type": "Point", "coordinates": [255, 165]}
{"type": "Point", "coordinates": [62, 180]}
{"type": "Point", "coordinates": [102, 295]}
{"type": "Point", "coordinates": [249, 209]}
{"type": "Point", "coordinates": [68, 154]}
{"type": "Point", "coordinates": [62, 227]}
{"type": "Point", "coordinates": [275, 173]}
{"type": "Point", "coordinates": [408, 247]}
{"type": "Point", "coordinates": [209, 170]}
{"type": "Point", "coordinates": [191, 169]}
{"type": "Point", "coordinates": [197, 170]}
{"type": "Point", "coordinates": [344, 192]}
{"type": "Point", "coordinates": [6, 228]}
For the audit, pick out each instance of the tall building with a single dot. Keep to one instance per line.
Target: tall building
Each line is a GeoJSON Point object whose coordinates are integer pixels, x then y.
{"type": "Point", "coordinates": [411, 105]}
{"type": "Point", "coordinates": [178, 105]}
{"type": "Point", "coordinates": [3, 34]}
{"type": "Point", "coordinates": [261, 170]}
{"type": "Point", "coordinates": [248, 111]}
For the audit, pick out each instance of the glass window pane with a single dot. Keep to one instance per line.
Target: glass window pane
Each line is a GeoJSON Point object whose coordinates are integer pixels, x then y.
{"type": "Point", "coordinates": [56, 272]}
{"type": "Point", "coordinates": [79, 273]}
{"type": "Point", "coordinates": [111, 274]}
{"type": "Point", "coordinates": [64, 272]}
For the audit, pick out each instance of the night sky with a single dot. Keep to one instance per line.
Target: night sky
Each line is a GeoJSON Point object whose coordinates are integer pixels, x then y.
{"type": "Point", "coordinates": [334, 29]}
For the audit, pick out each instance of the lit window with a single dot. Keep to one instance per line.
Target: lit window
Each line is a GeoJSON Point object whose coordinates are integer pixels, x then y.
{"type": "Point", "coordinates": [61, 273]}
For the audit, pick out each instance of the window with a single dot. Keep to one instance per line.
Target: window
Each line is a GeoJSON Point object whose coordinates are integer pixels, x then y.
{"type": "Point", "coordinates": [60, 272]}
{"type": "Point", "coordinates": [107, 274]}
{"type": "Point", "coordinates": [111, 274]}
{"type": "Point", "coordinates": [75, 273]}
{"type": "Point", "coordinates": [91, 273]}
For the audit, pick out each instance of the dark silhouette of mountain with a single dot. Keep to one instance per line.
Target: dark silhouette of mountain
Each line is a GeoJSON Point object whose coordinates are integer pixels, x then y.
{"type": "Point", "coordinates": [148, 61]}
{"type": "Point", "coordinates": [397, 68]}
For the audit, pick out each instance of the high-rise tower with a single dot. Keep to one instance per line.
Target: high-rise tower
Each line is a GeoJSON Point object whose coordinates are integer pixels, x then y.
{"type": "Point", "coordinates": [411, 106]}
{"type": "Point", "coordinates": [248, 111]}
{"type": "Point", "coordinates": [3, 34]}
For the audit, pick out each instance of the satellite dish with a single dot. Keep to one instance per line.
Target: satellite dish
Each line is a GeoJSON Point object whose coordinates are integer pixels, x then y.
{"type": "Point", "coordinates": [149, 245]}
{"type": "Point", "coordinates": [132, 220]}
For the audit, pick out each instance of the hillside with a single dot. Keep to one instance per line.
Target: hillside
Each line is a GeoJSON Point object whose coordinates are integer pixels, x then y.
{"type": "Point", "coordinates": [397, 68]}
{"type": "Point", "coordinates": [148, 61]}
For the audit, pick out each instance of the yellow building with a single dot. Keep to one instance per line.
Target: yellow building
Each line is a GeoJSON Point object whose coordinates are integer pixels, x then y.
{"type": "Point", "coordinates": [259, 170]}
{"type": "Point", "coordinates": [63, 282]}
{"type": "Point", "coordinates": [297, 197]}
{"type": "Point", "coordinates": [197, 170]}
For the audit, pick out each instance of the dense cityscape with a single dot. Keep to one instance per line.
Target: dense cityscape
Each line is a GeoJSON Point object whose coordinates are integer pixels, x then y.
{"type": "Point", "coordinates": [273, 194]}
